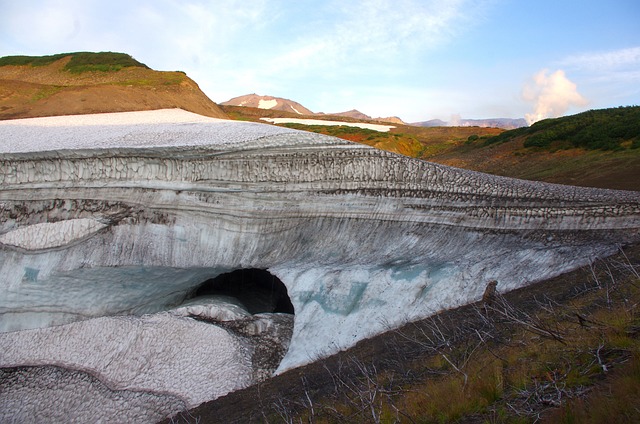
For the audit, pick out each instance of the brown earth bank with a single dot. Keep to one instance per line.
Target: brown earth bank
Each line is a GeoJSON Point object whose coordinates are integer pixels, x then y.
{"type": "Point", "coordinates": [564, 348]}
{"type": "Point", "coordinates": [33, 91]}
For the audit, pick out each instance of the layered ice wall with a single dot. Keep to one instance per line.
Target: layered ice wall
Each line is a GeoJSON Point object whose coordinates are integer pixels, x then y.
{"type": "Point", "coordinates": [127, 215]}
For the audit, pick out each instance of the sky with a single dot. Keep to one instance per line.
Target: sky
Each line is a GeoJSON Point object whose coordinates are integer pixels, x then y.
{"type": "Point", "coordinates": [416, 59]}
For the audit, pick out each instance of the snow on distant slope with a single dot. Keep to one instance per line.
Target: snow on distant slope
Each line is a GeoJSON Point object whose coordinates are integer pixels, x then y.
{"type": "Point", "coordinates": [267, 104]}
{"type": "Point", "coordinates": [505, 123]}
{"type": "Point", "coordinates": [375, 127]}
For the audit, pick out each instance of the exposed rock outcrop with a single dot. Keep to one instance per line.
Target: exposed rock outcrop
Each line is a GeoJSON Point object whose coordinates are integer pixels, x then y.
{"type": "Point", "coordinates": [153, 204]}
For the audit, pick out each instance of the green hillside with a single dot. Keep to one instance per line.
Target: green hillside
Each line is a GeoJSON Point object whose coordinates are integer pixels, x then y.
{"type": "Point", "coordinates": [604, 129]}
{"type": "Point", "coordinates": [80, 61]}
{"type": "Point", "coordinates": [86, 82]}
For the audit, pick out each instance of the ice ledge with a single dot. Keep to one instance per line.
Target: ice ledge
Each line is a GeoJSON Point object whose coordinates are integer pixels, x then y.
{"type": "Point", "coordinates": [48, 235]}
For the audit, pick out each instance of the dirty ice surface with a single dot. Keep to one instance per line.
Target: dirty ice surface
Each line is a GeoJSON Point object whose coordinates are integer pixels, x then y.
{"type": "Point", "coordinates": [155, 128]}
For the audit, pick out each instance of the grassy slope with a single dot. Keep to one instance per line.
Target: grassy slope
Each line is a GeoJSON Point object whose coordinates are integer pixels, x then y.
{"type": "Point", "coordinates": [408, 140]}
{"type": "Point", "coordinates": [78, 83]}
{"type": "Point", "coordinates": [596, 148]}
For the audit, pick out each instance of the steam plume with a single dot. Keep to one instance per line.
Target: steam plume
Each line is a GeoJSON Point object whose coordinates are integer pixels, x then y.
{"type": "Point", "coordinates": [552, 95]}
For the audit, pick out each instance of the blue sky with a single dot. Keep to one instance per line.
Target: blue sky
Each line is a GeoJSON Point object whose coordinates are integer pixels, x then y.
{"type": "Point", "coordinates": [417, 59]}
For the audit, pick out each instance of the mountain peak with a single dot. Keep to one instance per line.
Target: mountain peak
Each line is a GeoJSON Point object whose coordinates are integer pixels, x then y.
{"type": "Point", "coordinates": [268, 102]}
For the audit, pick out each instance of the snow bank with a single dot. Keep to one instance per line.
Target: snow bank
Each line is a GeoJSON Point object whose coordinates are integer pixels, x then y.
{"type": "Point", "coordinates": [267, 104]}
{"type": "Point", "coordinates": [375, 127]}
{"type": "Point", "coordinates": [155, 128]}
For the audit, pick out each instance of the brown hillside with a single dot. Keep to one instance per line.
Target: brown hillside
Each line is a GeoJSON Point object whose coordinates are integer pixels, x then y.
{"type": "Point", "coordinates": [32, 91]}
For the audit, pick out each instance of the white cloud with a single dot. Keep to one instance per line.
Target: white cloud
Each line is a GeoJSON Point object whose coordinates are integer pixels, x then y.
{"type": "Point", "coordinates": [552, 95]}
{"type": "Point", "coordinates": [616, 59]}
{"type": "Point", "coordinates": [290, 49]}
{"type": "Point", "coordinates": [42, 25]}
{"type": "Point", "coordinates": [366, 35]}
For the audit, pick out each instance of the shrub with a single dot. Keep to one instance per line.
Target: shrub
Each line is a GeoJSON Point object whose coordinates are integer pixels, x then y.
{"type": "Point", "coordinates": [604, 129]}
{"type": "Point", "coordinates": [80, 61]}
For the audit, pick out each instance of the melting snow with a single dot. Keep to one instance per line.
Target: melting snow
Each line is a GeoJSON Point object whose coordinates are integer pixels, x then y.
{"type": "Point", "coordinates": [155, 128]}
{"type": "Point", "coordinates": [375, 127]}
{"type": "Point", "coordinates": [267, 104]}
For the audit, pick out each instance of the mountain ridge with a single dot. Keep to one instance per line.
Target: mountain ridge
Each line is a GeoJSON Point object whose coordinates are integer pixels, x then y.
{"type": "Point", "coordinates": [286, 105]}
{"type": "Point", "coordinates": [504, 123]}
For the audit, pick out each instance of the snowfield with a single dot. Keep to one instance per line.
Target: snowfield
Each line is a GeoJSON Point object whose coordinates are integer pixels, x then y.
{"type": "Point", "coordinates": [155, 128]}
{"type": "Point", "coordinates": [267, 104]}
{"type": "Point", "coordinates": [375, 127]}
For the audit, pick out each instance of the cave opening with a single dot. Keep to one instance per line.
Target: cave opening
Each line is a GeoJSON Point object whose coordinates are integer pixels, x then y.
{"type": "Point", "coordinates": [257, 290]}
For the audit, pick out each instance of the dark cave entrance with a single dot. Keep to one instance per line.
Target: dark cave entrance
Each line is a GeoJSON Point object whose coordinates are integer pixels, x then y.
{"type": "Point", "coordinates": [257, 289]}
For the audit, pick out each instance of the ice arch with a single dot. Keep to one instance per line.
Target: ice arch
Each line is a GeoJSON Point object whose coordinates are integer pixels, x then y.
{"type": "Point", "coordinates": [163, 201]}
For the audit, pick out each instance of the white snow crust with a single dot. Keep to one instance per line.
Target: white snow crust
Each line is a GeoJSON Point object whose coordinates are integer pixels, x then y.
{"type": "Point", "coordinates": [49, 394]}
{"type": "Point", "coordinates": [46, 235]}
{"type": "Point", "coordinates": [217, 308]}
{"type": "Point", "coordinates": [160, 353]}
{"type": "Point", "coordinates": [375, 127]}
{"type": "Point", "coordinates": [155, 128]}
{"type": "Point", "coordinates": [267, 104]}
{"type": "Point", "coordinates": [363, 240]}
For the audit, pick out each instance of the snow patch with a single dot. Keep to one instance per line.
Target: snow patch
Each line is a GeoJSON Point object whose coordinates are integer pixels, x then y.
{"type": "Point", "coordinates": [155, 128]}
{"type": "Point", "coordinates": [160, 353]}
{"type": "Point", "coordinates": [267, 104]}
{"type": "Point", "coordinates": [296, 110]}
{"type": "Point", "coordinates": [375, 127]}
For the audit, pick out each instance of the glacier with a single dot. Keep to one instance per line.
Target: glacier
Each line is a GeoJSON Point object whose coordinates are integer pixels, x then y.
{"type": "Point", "coordinates": [113, 224]}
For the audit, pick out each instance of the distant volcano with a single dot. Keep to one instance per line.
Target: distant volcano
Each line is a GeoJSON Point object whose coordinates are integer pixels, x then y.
{"type": "Point", "coordinates": [286, 105]}
{"type": "Point", "coordinates": [269, 102]}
